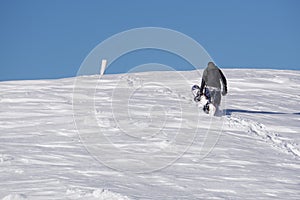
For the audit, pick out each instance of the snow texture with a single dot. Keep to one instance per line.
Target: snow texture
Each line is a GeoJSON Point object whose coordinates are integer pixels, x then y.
{"type": "Point", "coordinates": [149, 139]}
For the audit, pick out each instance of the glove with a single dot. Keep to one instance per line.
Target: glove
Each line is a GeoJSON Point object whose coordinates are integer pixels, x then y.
{"type": "Point", "coordinates": [224, 92]}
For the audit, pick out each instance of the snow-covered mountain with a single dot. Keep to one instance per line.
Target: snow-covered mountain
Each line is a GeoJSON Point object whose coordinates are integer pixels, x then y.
{"type": "Point", "coordinates": [141, 136]}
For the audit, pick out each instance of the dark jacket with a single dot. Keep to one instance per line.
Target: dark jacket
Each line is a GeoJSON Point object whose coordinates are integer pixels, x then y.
{"type": "Point", "coordinates": [213, 76]}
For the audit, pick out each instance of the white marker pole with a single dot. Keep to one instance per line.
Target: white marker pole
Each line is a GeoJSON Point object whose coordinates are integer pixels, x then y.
{"type": "Point", "coordinates": [103, 66]}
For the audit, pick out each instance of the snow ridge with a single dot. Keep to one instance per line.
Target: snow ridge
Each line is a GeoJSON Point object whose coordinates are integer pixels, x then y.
{"type": "Point", "coordinates": [136, 82]}
{"type": "Point", "coordinates": [260, 130]}
{"type": "Point", "coordinates": [99, 194]}
{"type": "Point", "coordinates": [15, 197]}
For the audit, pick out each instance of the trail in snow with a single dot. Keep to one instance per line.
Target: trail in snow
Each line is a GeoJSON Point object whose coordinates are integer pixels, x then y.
{"type": "Point", "coordinates": [259, 130]}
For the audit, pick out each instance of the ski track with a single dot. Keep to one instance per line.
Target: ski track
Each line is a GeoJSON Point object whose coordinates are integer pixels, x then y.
{"type": "Point", "coordinates": [259, 130]}
{"type": "Point", "coordinates": [41, 156]}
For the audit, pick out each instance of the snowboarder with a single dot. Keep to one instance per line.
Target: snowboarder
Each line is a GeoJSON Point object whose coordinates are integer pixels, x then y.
{"type": "Point", "coordinates": [211, 86]}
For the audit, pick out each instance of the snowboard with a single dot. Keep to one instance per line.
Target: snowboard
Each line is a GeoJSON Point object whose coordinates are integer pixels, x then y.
{"type": "Point", "coordinates": [203, 101]}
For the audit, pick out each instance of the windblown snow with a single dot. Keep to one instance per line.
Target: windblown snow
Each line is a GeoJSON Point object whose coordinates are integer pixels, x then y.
{"type": "Point", "coordinates": [141, 136]}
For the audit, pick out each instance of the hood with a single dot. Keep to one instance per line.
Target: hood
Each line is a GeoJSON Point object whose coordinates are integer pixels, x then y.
{"type": "Point", "coordinates": [211, 65]}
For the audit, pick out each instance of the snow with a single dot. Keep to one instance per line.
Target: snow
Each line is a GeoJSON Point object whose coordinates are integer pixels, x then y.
{"type": "Point", "coordinates": [141, 136]}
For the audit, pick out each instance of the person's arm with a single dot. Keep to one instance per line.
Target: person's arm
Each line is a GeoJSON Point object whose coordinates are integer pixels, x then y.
{"type": "Point", "coordinates": [224, 82]}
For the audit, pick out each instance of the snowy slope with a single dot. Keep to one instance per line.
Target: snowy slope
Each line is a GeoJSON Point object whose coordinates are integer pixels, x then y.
{"type": "Point", "coordinates": [140, 136]}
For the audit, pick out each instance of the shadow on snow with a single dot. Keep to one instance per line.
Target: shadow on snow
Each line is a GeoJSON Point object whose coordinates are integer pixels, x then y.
{"type": "Point", "coordinates": [230, 111]}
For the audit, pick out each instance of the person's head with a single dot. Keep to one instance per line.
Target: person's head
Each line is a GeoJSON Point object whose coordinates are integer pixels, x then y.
{"type": "Point", "coordinates": [211, 65]}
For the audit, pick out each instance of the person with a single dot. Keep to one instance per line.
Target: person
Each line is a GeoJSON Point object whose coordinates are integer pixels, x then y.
{"type": "Point", "coordinates": [212, 78]}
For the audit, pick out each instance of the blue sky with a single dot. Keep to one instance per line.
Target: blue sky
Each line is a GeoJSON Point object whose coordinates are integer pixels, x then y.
{"type": "Point", "coordinates": [49, 39]}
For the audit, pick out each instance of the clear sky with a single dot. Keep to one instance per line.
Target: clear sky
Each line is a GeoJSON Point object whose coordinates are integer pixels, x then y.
{"type": "Point", "coordinates": [50, 38]}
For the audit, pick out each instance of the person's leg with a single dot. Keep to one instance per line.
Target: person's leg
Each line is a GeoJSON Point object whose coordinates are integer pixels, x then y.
{"type": "Point", "coordinates": [217, 100]}
{"type": "Point", "coordinates": [212, 95]}
{"type": "Point", "coordinates": [215, 96]}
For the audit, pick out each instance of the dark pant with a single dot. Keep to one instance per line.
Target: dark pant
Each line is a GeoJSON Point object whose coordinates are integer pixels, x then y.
{"type": "Point", "coordinates": [213, 95]}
